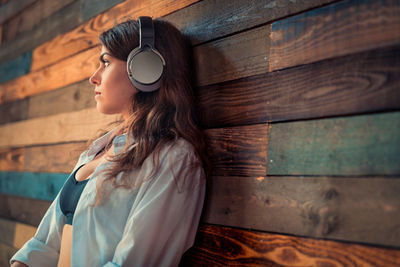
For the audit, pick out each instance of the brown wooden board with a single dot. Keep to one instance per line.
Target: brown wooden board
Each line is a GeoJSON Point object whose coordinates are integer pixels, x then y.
{"type": "Point", "coordinates": [14, 111]}
{"type": "Point", "coordinates": [238, 150]}
{"type": "Point", "coordinates": [356, 145]}
{"type": "Point", "coordinates": [30, 17]}
{"type": "Point", "coordinates": [15, 234]}
{"type": "Point", "coordinates": [342, 28]}
{"type": "Point", "coordinates": [225, 246]}
{"type": "Point", "coordinates": [253, 60]}
{"type": "Point", "coordinates": [24, 210]}
{"type": "Point", "coordinates": [86, 34]}
{"type": "Point", "coordinates": [65, 127]}
{"type": "Point", "coordinates": [12, 159]}
{"type": "Point", "coordinates": [11, 8]}
{"type": "Point", "coordinates": [363, 209]}
{"type": "Point", "coordinates": [59, 22]}
{"type": "Point", "coordinates": [74, 97]}
{"type": "Point", "coordinates": [208, 19]}
{"type": "Point", "coordinates": [6, 252]}
{"type": "Point", "coordinates": [353, 84]}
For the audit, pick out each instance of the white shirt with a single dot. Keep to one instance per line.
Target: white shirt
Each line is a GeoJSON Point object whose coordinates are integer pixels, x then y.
{"type": "Point", "coordinates": [153, 225]}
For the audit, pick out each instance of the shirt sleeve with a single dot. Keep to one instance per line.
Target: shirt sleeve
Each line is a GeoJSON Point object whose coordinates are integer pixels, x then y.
{"type": "Point", "coordinates": [43, 248]}
{"type": "Point", "coordinates": [165, 215]}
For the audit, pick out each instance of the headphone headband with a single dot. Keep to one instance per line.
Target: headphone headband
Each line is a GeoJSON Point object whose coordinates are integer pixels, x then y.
{"type": "Point", "coordinates": [145, 65]}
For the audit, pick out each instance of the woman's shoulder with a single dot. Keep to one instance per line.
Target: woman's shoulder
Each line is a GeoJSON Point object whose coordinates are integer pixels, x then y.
{"type": "Point", "coordinates": [179, 148]}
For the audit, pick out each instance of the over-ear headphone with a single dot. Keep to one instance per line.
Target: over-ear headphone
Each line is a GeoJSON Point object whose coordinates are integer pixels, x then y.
{"type": "Point", "coordinates": [145, 65]}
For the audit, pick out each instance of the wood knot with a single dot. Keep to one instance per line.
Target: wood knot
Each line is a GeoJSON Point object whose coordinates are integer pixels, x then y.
{"type": "Point", "coordinates": [331, 193]}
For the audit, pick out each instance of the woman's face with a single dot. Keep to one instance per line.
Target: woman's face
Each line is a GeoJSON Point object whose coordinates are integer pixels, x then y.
{"type": "Point", "coordinates": [113, 89]}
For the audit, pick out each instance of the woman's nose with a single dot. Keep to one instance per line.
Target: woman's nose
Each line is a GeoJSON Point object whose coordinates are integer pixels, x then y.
{"type": "Point", "coordinates": [95, 79]}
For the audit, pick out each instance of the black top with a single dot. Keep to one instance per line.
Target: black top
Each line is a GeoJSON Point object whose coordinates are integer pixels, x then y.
{"type": "Point", "coordinates": [70, 195]}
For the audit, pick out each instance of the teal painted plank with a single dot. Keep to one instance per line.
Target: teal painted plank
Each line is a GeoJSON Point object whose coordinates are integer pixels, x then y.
{"type": "Point", "coordinates": [357, 145]}
{"type": "Point", "coordinates": [44, 186]}
{"type": "Point", "coordinates": [91, 8]}
{"type": "Point", "coordinates": [16, 67]}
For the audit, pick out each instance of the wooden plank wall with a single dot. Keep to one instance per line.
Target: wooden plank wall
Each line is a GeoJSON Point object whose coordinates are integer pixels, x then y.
{"type": "Point", "coordinates": [300, 100]}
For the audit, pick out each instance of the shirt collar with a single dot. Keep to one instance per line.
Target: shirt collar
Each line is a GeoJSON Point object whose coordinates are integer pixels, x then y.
{"type": "Point", "coordinates": [119, 142]}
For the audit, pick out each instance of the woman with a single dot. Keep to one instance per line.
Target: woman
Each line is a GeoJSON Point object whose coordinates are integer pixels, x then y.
{"type": "Point", "coordinates": [136, 194]}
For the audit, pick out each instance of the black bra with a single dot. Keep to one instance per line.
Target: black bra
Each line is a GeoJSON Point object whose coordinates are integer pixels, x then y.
{"type": "Point", "coordinates": [70, 195]}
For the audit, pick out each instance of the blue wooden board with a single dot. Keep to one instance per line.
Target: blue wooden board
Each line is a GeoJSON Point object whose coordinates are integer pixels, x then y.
{"type": "Point", "coordinates": [44, 186]}
{"type": "Point", "coordinates": [16, 67]}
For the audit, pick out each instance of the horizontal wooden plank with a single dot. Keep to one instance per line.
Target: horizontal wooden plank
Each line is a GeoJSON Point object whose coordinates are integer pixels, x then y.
{"type": "Point", "coordinates": [31, 17]}
{"type": "Point", "coordinates": [356, 145]}
{"type": "Point", "coordinates": [238, 150]}
{"type": "Point", "coordinates": [85, 35]}
{"type": "Point", "coordinates": [66, 127]}
{"type": "Point", "coordinates": [14, 111]}
{"type": "Point", "coordinates": [59, 22]}
{"type": "Point", "coordinates": [15, 234]}
{"type": "Point", "coordinates": [341, 28]}
{"type": "Point", "coordinates": [6, 252]}
{"type": "Point", "coordinates": [43, 186]}
{"type": "Point", "coordinates": [91, 8]}
{"type": "Point", "coordinates": [11, 8]}
{"type": "Point", "coordinates": [365, 209]}
{"type": "Point", "coordinates": [12, 159]}
{"type": "Point", "coordinates": [24, 210]}
{"type": "Point", "coordinates": [224, 246]}
{"type": "Point", "coordinates": [353, 84]}
{"type": "Point", "coordinates": [225, 17]}
{"type": "Point", "coordinates": [16, 67]}
{"type": "Point", "coordinates": [226, 65]}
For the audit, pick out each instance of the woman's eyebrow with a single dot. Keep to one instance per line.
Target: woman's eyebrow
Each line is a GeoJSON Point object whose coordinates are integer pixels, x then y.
{"type": "Point", "coordinates": [101, 58]}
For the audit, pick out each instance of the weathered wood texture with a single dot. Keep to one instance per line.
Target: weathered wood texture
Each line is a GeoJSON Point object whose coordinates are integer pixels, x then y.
{"type": "Point", "coordinates": [66, 127]}
{"type": "Point", "coordinates": [341, 28]}
{"type": "Point", "coordinates": [14, 111]}
{"type": "Point", "coordinates": [224, 246]}
{"type": "Point", "coordinates": [90, 8]}
{"type": "Point", "coordinates": [6, 252]}
{"type": "Point", "coordinates": [86, 34]}
{"type": "Point", "coordinates": [62, 21]}
{"type": "Point", "coordinates": [11, 8]}
{"type": "Point", "coordinates": [358, 145]}
{"type": "Point", "coordinates": [24, 210]}
{"type": "Point", "coordinates": [15, 234]}
{"type": "Point", "coordinates": [252, 62]}
{"type": "Point", "coordinates": [359, 83]}
{"type": "Point", "coordinates": [59, 158]}
{"type": "Point", "coordinates": [364, 209]}
{"type": "Point", "coordinates": [31, 17]}
{"type": "Point", "coordinates": [16, 67]}
{"type": "Point", "coordinates": [202, 28]}
{"type": "Point", "coordinates": [43, 186]}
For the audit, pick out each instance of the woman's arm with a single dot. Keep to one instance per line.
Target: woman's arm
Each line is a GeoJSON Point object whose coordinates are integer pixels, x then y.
{"type": "Point", "coordinates": [164, 218]}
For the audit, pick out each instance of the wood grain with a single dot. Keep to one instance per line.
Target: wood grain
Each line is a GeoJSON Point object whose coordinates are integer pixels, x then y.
{"type": "Point", "coordinates": [64, 20]}
{"type": "Point", "coordinates": [341, 28]}
{"type": "Point", "coordinates": [15, 234]}
{"type": "Point", "coordinates": [86, 34]}
{"type": "Point", "coordinates": [238, 56]}
{"type": "Point", "coordinates": [31, 17]}
{"type": "Point", "coordinates": [364, 209]}
{"type": "Point", "coordinates": [360, 83]}
{"type": "Point", "coordinates": [91, 8]}
{"type": "Point", "coordinates": [357, 145]}
{"type": "Point", "coordinates": [6, 252]}
{"type": "Point", "coordinates": [24, 210]}
{"type": "Point", "coordinates": [226, 17]}
{"type": "Point", "coordinates": [12, 159]}
{"type": "Point", "coordinates": [69, 71]}
{"type": "Point", "coordinates": [238, 150]}
{"type": "Point", "coordinates": [224, 246]}
{"type": "Point", "coordinates": [43, 186]}
{"type": "Point", "coordinates": [14, 111]}
{"type": "Point", "coordinates": [11, 8]}
{"type": "Point", "coordinates": [66, 127]}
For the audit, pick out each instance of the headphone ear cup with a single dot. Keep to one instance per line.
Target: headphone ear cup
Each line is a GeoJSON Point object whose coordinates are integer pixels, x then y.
{"type": "Point", "coordinates": [145, 68]}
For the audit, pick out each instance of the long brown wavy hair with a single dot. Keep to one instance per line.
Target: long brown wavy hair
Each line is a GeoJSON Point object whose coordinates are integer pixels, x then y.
{"type": "Point", "coordinates": [158, 117]}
